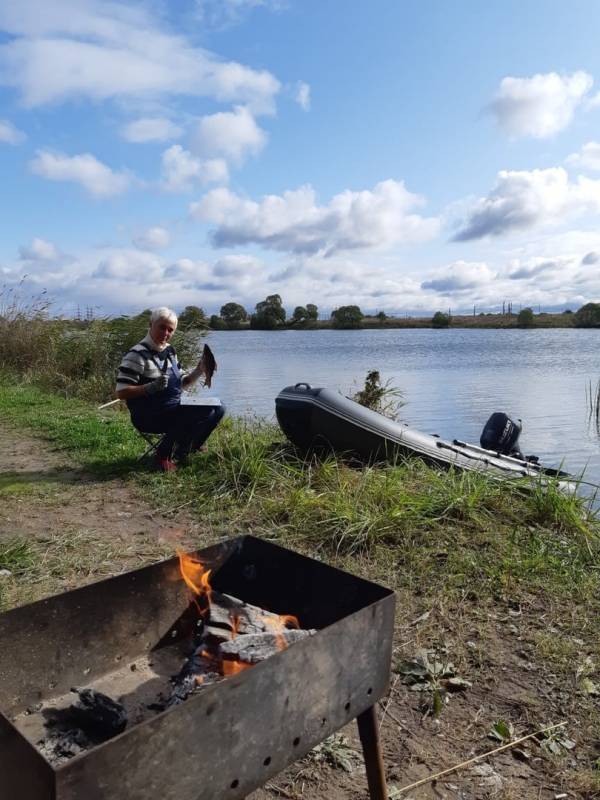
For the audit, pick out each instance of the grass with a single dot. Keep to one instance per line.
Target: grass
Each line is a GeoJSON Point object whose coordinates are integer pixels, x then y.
{"type": "Point", "coordinates": [445, 529]}
{"type": "Point", "coordinates": [465, 548]}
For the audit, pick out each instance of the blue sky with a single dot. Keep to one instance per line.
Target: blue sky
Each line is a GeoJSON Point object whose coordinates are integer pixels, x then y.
{"type": "Point", "coordinates": [408, 157]}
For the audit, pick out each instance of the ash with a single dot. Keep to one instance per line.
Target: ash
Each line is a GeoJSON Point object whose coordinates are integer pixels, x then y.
{"type": "Point", "coordinates": [229, 637]}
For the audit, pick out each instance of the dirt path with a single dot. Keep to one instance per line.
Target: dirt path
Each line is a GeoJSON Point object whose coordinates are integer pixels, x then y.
{"type": "Point", "coordinates": [84, 528]}
{"type": "Point", "coordinates": [49, 502]}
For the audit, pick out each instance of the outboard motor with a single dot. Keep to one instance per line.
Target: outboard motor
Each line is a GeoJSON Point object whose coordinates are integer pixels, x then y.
{"type": "Point", "coordinates": [501, 434]}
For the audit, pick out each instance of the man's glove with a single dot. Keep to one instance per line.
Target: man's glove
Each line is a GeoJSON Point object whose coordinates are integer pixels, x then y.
{"type": "Point", "coordinates": [157, 385]}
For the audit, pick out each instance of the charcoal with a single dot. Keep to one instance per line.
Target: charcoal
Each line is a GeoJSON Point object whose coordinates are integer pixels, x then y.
{"type": "Point", "coordinates": [98, 715]}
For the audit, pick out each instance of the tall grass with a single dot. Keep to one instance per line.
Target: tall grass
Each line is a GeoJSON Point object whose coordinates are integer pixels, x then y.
{"type": "Point", "coordinates": [592, 397]}
{"type": "Point", "coordinates": [70, 357]}
{"type": "Point", "coordinates": [458, 530]}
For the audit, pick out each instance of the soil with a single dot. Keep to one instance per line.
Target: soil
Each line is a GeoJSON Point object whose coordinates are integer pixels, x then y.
{"type": "Point", "coordinates": [88, 528]}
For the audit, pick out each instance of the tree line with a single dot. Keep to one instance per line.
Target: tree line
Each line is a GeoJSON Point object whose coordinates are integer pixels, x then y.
{"type": "Point", "coordinates": [270, 314]}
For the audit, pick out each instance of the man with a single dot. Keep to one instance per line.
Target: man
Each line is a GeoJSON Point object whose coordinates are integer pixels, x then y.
{"type": "Point", "coordinates": [150, 380]}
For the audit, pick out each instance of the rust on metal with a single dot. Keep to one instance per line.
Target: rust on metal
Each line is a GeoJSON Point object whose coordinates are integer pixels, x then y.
{"type": "Point", "coordinates": [229, 738]}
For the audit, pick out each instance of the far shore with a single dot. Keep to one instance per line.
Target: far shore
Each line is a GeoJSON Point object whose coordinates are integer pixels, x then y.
{"type": "Point", "coordinates": [542, 320]}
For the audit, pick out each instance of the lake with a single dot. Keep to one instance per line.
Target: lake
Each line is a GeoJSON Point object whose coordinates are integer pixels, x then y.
{"type": "Point", "coordinates": [452, 380]}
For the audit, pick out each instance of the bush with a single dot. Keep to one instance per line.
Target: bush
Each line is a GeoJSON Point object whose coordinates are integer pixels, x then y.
{"type": "Point", "coordinates": [588, 316]}
{"type": "Point", "coordinates": [525, 318]}
{"type": "Point", "coordinates": [440, 320]}
{"type": "Point", "coordinates": [384, 398]}
{"type": "Point", "coordinates": [216, 323]}
{"type": "Point", "coordinates": [347, 317]}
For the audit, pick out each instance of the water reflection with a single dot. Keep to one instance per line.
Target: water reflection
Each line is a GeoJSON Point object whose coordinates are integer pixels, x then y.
{"type": "Point", "coordinates": [452, 380]}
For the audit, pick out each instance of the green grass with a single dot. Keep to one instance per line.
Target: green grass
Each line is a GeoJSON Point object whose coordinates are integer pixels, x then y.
{"type": "Point", "coordinates": [445, 531]}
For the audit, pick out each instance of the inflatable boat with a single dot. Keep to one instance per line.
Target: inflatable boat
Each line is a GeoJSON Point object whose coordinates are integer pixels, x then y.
{"type": "Point", "coordinates": [316, 418]}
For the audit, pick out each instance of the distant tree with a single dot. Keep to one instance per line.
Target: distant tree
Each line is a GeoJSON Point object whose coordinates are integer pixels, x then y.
{"type": "Point", "coordinates": [270, 314]}
{"type": "Point", "coordinates": [193, 317]}
{"type": "Point", "coordinates": [300, 314]}
{"type": "Point", "coordinates": [588, 316]}
{"type": "Point", "coordinates": [381, 316]}
{"type": "Point", "coordinates": [525, 318]}
{"type": "Point", "coordinates": [440, 320]}
{"type": "Point", "coordinates": [216, 323]}
{"type": "Point", "coordinates": [567, 311]}
{"type": "Point", "coordinates": [347, 317]}
{"type": "Point", "coordinates": [233, 314]}
{"type": "Point", "coordinates": [312, 311]}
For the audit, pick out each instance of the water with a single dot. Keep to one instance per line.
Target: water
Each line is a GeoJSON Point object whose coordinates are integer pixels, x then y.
{"type": "Point", "coordinates": [452, 379]}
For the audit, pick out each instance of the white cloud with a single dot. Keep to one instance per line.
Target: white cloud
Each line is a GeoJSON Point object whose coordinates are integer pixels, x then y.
{"type": "Point", "coordinates": [129, 265]}
{"type": "Point", "coordinates": [181, 171]}
{"type": "Point", "coordinates": [95, 177]}
{"type": "Point", "coordinates": [38, 250]}
{"type": "Point", "coordinates": [189, 271]}
{"type": "Point", "coordinates": [587, 158]}
{"type": "Point", "coordinates": [459, 277]}
{"type": "Point", "coordinates": [522, 200]}
{"type": "Point", "coordinates": [155, 238]}
{"type": "Point", "coordinates": [232, 134]}
{"type": "Point", "coordinates": [9, 134]}
{"type": "Point", "coordinates": [294, 222]}
{"type": "Point", "coordinates": [303, 95]}
{"type": "Point", "coordinates": [539, 106]}
{"type": "Point", "coordinates": [151, 129]}
{"type": "Point", "coordinates": [238, 267]}
{"type": "Point", "coordinates": [109, 50]}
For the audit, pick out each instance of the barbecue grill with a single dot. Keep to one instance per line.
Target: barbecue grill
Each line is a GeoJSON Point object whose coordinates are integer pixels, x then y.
{"type": "Point", "coordinates": [225, 740]}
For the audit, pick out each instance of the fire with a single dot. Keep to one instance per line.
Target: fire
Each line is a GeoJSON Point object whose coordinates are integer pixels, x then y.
{"type": "Point", "coordinates": [235, 624]}
{"type": "Point", "coordinates": [233, 667]}
{"type": "Point", "coordinates": [195, 576]}
{"type": "Point", "coordinates": [197, 579]}
{"type": "Point", "coordinates": [278, 625]}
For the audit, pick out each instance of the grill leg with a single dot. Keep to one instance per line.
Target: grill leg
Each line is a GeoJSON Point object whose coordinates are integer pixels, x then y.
{"type": "Point", "coordinates": [369, 737]}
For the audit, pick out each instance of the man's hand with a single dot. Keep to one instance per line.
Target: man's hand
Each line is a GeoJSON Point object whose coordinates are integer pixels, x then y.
{"type": "Point", "coordinates": [157, 385]}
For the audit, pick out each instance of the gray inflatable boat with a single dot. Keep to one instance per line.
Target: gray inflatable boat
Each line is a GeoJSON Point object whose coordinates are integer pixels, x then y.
{"type": "Point", "coordinates": [316, 418]}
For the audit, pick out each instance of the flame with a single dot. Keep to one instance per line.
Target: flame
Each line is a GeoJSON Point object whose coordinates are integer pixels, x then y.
{"type": "Point", "coordinates": [235, 624]}
{"type": "Point", "coordinates": [233, 667]}
{"type": "Point", "coordinates": [279, 624]}
{"type": "Point", "coordinates": [197, 579]}
{"type": "Point", "coordinates": [195, 576]}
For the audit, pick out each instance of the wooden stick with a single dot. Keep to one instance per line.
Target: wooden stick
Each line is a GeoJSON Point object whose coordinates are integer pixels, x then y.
{"type": "Point", "coordinates": [478, 758]}
{"type": "Point", "coordinates": [389, 700]}
{"type": "Point", "coordinates": [110, 403]}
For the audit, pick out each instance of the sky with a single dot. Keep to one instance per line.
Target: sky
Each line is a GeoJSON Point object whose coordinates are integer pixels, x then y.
{"type": "Point", "coordinates": [405, 157]}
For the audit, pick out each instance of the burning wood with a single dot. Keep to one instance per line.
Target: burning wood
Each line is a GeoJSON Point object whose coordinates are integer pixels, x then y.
{"type": "Point", "coordinates": [232, 636]}
{"type": "Point", "coordinates": [229, 637]}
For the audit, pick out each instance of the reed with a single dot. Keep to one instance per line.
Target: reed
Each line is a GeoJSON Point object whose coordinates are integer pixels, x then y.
{"type": "Point", "coordinates": [592, 397]}
{"type": "Point", "coordinates": [70, 357]}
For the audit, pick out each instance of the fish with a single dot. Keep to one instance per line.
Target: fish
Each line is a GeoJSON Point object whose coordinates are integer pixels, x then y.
{"type": "Point", "coordinates": [210, 365]}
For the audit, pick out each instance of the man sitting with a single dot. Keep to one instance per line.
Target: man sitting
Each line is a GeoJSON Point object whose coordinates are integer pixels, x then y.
{"type": "Point", "coordinates": [150, 380]}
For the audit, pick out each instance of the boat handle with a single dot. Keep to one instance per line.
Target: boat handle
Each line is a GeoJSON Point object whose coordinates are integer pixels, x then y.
{"type": "Point", "coordinates": [303, 383]}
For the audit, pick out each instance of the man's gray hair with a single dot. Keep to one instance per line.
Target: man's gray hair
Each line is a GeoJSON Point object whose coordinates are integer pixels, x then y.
{"type": "Point", "coordinates": [163, 313]}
